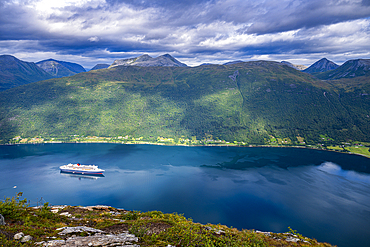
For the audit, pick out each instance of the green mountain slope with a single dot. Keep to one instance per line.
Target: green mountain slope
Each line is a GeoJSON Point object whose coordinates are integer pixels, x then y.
{"type": "Point", "coordinates": [248, 102]}
{"type": "Point", "coordinates": [350, 69]}
{"type": "Point", "coordinates": [15, 72]}
{"type": "Point", "coordinates": [354, 94]}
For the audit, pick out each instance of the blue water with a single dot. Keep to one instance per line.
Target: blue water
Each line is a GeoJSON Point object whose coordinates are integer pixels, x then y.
{"type": "Point", "coordinates": [322, 195]}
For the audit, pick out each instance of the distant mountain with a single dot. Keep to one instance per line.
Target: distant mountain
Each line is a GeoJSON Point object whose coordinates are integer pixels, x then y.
{"type": "Point", "coordinates": [100, 66]}
{"type": "Point", "coordinates": [203, 64]}
{"type": "Point", "coordinates": [322, 65]}
{"type": "Point", "coordinates": [294, 66]}
{"type": "Point", "coordinates": [350, 69]}
{"type": "Point", "coordinates": [15, 72]}
{"type": "Point", "coordinates": [147, 61]}
{"type": "Point", "coordinates": [60, 68]}
{"type": "Point", "coordinates": [233, 62]}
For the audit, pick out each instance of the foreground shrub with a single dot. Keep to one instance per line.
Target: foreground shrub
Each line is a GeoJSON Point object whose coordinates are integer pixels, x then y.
{"type": "Point", "coordinates": [13, 208]}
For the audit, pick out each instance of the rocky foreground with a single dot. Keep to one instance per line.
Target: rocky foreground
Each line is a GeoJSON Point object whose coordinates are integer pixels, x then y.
{"type": "Point", "coordinates": [69, 226]}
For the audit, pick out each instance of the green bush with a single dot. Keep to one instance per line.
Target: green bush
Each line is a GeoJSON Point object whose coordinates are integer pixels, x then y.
{"type": "Point", "coordinates": [132, 215]}
{"type": "Point", "coordinates": [13, 208]}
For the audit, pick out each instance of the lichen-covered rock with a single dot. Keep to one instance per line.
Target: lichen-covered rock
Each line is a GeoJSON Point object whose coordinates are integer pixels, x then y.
{"type": "Point", "coordinates": [52, 243]}
{"type": "Point", "coordinates": [66, 214]}
{"type": "Point", "coordinates": [26, 238]}
{"type": "Point", "coordinates": [18, 235]}
{"type": "Point", "coordinates": [2, 220]}
{"type": "Point", "coordinates": [68, 230]}
{"type": "Point", "coordinates": [216, 231]}
{"type": "Point", "coordinates": [123, 239]}
{"type": "Point", "coordinates": [103, 240]}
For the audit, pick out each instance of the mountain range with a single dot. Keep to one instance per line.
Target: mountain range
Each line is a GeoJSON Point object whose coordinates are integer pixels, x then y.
{"type": "Point", "coordinates": [252, 102]}
{"type": "Point", "coordinates": [350, 69]}
{"type": "Point", "coordinates": [14, 72]}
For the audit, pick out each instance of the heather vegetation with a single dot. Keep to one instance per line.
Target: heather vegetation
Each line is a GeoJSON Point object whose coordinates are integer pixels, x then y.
{"type": "Point", "coordinates": [253, 103]}
{"type": "Point", "coordinates": [45, 224]}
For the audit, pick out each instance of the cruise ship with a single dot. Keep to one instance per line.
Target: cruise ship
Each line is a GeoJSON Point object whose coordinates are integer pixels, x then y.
{"type": "Point", "coordinates": [81, 169]}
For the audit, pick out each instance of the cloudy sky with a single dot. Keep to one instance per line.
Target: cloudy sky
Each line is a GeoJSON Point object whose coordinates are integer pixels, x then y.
{"type": "Point", "coordinates": [195, 32]}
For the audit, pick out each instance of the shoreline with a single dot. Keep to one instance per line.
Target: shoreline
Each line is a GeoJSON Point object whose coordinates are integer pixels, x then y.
{"type": "Point", "coordinates": [187, 145]}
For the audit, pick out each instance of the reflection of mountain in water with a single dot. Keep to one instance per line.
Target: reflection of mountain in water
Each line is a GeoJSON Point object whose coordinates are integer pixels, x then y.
{"type": "Point", "coordinates": [80, 176]}
{"type": "Point", "coordinates": [244, 158]}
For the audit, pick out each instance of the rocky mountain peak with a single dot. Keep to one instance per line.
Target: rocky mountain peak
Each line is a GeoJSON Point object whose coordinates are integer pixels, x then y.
{"type": "Point", "coordinates": [60, 68]}
{"type": "Point", "coordinates": [145, 60]}
{"type": "Point", "coordinates": [322, 65]}
{"type": "Point", "coordinates": [144, 57]}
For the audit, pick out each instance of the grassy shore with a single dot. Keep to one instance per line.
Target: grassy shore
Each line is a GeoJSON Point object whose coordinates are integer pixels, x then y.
{"type": "Point", "coordinates": [358, 148]}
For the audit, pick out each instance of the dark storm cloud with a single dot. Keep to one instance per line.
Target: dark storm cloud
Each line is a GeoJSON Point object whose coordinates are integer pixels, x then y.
{"type": "Point", "coordinates": [285, 16]}
{"type": "Point", "coordinates": [365, 2]}
{"type": "Point", "coordinates": [264, 16]}
{"type": "Point", "coordinates": [172, 4]}
{"type": "Point", "coordinates": [14, 22]}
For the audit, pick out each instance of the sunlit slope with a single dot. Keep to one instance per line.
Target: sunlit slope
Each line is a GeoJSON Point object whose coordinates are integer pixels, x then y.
{"type": "Point", "coordinates": [240, 102]}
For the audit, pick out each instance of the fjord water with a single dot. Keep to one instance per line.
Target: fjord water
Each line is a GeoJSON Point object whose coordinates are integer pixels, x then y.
{"type": "Point", "coordinates": [323, 195]}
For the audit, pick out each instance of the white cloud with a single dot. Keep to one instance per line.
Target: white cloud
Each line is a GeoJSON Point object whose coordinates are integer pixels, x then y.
{"type": "Point", "coordinates": [49, 7]}
{"type": "Point", "coordinates": [94, 39]}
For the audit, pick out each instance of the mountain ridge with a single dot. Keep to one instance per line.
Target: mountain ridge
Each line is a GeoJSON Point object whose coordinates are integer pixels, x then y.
{"type": "Point", "coordinates": [15, 72]}
{"type": "Point", "coordinates": [145, 60]}
{"type": "Point", "coordinates": [233, 62]}
{"type": "Point", "coordinates": [295, 66]}
{"type": "Point", "coordinates": [60, 68]}
{"type": "Point", "coordinates": [350, 69]}
{"type": "Point", "coordinates": [100, 66]}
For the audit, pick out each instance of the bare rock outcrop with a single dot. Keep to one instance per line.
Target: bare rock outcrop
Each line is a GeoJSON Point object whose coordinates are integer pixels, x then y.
{"type": "Point", "coordinates": [98, 239]}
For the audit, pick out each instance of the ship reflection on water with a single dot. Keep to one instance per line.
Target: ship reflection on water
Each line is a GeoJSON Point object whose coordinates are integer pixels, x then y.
{"type": "Point", "coordinates": [80, 176]}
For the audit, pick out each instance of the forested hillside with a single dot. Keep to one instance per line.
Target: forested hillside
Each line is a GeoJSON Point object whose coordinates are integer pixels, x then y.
{"type": "Point", "coordinates": [252, 102]}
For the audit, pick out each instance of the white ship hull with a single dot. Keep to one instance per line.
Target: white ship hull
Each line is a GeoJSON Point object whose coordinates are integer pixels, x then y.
{"type": "Point", "coordinates": [81, 169]}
